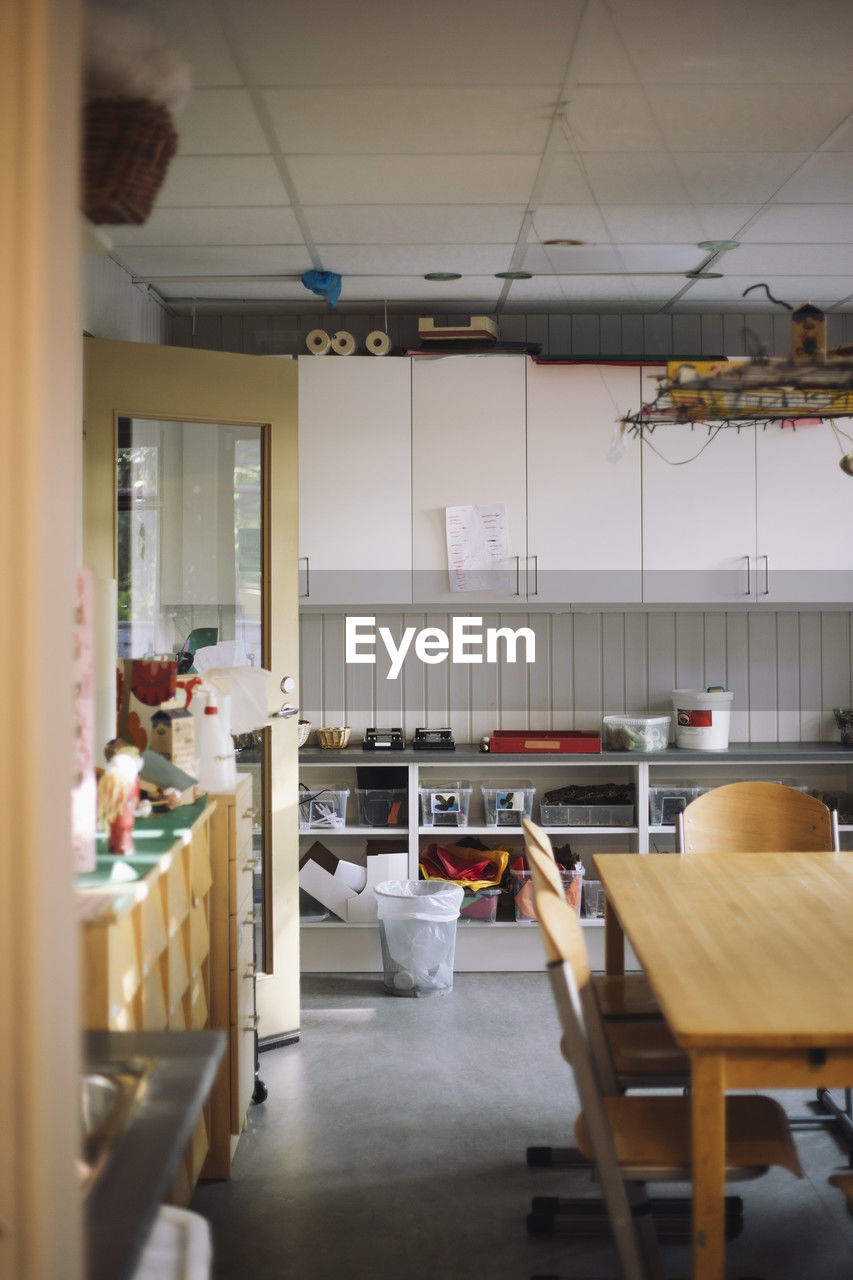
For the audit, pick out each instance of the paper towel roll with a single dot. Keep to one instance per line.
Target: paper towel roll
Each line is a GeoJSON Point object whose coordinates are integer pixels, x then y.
{"type": "Point", "coordinates": [343, 343]}
{"type": "Point", "coordinates": [318, 342]}
{"type": "Point", "coordinates": [105, 627]}
{"type": "Point", "coordinates": [378, 343]}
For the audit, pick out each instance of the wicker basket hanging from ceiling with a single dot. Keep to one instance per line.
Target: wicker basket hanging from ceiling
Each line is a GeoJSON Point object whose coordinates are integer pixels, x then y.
{"type": "Point", "coordinates": [127, 146]}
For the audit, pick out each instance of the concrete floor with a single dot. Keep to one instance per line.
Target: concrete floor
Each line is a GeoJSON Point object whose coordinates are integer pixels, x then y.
{"type": "Point", "coordinates": [392, 1144]}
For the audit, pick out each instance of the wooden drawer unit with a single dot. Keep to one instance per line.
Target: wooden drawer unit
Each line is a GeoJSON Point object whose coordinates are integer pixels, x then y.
{"type": "Point", "coordinates": [232, 991]}
{"type": "Point", "coordinates": [145, 926]}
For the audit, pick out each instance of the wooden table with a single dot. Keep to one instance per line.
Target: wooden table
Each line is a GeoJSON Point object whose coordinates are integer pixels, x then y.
{"type": "Point", "coordinates": [750, 956]}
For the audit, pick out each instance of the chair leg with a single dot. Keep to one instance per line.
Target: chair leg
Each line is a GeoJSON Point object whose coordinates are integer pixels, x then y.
{"type": "Point", "coordinates": [558, 1157]}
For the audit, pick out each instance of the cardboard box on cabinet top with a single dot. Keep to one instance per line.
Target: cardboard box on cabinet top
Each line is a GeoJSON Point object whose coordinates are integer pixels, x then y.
{"type": "Point", "coordinates": [346, 888]}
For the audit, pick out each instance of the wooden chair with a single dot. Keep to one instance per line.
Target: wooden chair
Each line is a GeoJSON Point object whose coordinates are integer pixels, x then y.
{"type": "Point", "coordinates": [756, 817]}
{"type": "Point", "coordinates": [635, 1139]}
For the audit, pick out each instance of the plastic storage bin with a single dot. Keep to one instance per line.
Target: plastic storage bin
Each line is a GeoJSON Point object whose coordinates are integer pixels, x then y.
{"type": "Point", "coordinates": [702, 719]}
{"type": "Point", "coordinates": [666, 802]}
{"type": "Point", "coordinates": [636, 733]}
{"type": "Point", "coordinates": [379, 807]}
{"type": "Point", "coordinates": [506, 805]}
{"type": "Point", "coordinates": [592, 900]}
{"type": "Point", "coordinates": [586, 815]}
{"type": "Point", "coordinates": [482, 905]}
{"type": "Point", "coordinates": [446, 805]}
{"type": "Point", "coordinates": [417, 934]}
{"type": "Point", "coordinates": [522, 887]}
{"type": "Point", "coordinates": [323, 808]}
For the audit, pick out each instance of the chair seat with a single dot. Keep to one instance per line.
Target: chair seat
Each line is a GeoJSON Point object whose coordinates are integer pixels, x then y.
{"type": "Point", "coordinates": [652, 1136]}
{"type": "Point", "coordinates": [625, 996]}
{"type": "Point", "coordinates": [644, 1054]}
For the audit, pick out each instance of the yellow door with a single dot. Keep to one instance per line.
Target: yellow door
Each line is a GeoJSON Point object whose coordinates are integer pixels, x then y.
{"type": "Point", "coordinates": [159, 392]}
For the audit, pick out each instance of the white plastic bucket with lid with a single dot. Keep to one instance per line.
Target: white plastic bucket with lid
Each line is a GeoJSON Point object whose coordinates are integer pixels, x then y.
{"type": "Point", "coordinates": [701, 719]}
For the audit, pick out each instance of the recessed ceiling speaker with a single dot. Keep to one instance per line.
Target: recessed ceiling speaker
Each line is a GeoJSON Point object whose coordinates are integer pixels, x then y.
{"type": "Point", "coordinates": [343, 343]}
{"type": "Point", "coordinates": [378, 343]}
{"type": "Point", "coordinates": [318, 342]}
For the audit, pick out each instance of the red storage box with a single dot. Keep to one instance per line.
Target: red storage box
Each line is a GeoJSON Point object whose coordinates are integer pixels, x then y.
{"type": "Point", "coordinates": [506, 741]}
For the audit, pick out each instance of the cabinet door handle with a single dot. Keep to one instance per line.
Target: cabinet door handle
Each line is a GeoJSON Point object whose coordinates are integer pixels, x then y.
{"type": "Point", "coordinates": [248, 813]}
{"type": "Point", "coordinates": [251, 864]}
{"type": "Point", "coordinates": [766, 591]}
{"type": "Point", "coordinates": [535, 591]}
{"type": "Point", "coordinates": [518, 576]}
{"type": "Point", "coordinates": [303, 595]}
{"type": "Point", "coordinates": [250, 970]}
{"type": "Point", "coordinates": [748, 577]}
{"type": "Point", "coordinates": [250, 918]}
{"type": "Point", "coordinates": [252, 1024]}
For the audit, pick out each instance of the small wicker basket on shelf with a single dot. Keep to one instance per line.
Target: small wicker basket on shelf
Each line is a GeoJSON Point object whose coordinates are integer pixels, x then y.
{"type": "Point", "coordinates": [334, 737]}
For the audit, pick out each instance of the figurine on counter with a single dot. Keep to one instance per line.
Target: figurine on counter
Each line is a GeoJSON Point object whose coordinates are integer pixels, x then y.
{"type": "Point", "coordinates": [119, 796]}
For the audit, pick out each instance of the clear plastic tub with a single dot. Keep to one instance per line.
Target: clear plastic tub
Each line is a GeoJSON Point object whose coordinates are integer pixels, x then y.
{"type": "Point", "coordinates": [666, 802]}
{"type": "Point", "coordinates": [446, 805]}
{"type": "Point", "coordinates": [323, 808]}
{"type": "Point", "coordinates": [482, 905]}
{"type": "Point", "coordinates": [586, 815]}
{"type": "Point", "coordinates": [378, 807]}
{"type": "Point", "coordinates": [636, 733]}
{"type": "Point", "coordinates": [522, 885]}
{"type": "Point", "coordinates": [592, 900]}
{"type": "Point", "coordinates": [506, 805]}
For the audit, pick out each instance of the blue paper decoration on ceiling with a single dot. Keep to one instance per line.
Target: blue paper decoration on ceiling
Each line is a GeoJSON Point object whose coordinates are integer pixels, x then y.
{"type": "Point", "coordinates": [327, 284]}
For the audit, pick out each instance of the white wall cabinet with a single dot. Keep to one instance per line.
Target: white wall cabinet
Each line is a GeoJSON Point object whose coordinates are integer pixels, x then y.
{"type": "Point", "coordinates": [584, 534]}
{"type": "Point", "coordinates": [355, 490]}
{"type": "Point", "coordinates": [468, 448]}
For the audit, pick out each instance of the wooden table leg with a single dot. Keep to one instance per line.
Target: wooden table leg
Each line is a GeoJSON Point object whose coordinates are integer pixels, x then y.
{"type": "Point", "coordinates": [708, 1133]}
{"type": "Point", "coordinates": [614, 942]}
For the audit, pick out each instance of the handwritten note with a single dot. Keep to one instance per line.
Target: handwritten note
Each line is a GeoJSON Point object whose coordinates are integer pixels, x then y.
{"type": "Point", "coordinates": [478, 548]}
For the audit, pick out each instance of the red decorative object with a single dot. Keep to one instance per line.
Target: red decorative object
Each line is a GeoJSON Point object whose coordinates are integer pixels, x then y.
{"type": "Point", "coordinates": [532, 741]}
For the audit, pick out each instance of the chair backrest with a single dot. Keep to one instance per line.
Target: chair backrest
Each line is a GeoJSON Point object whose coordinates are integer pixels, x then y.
{"type": "Point", "coordinates": [756, 817]}
{"type": "Point", "coordinates": [559, 926]}
{"type": "Point", "coordinates": [566, 946]}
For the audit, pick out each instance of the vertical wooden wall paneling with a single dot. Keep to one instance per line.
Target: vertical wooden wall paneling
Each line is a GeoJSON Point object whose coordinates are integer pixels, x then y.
{"type": "Point", "coordinates": [811, 677]}
{"type": "Point", "coordinates": [763, 667]}
{"type": "Point", "coordinates": [788, 676]}
{"type": "Point", "coordinates": [834, 665]}
{"type": "Point", "coordinates": [737, 674]}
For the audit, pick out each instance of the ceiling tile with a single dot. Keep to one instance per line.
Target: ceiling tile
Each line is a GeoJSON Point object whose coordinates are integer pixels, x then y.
{"type": "Point", "coordinates": [609, 117]}
{"type": "Point", "coordinates": [563, 182]}
{"type": "Point", "coordinates": [623, 178]}
{"type": "Point", "coordinates": [410, 120]}
{"type": "Point", "coordinates": [713, 177]}
{"type": "Point", "coordinates": [287, 291]}
{"type": "Point", "coordinates": [222, 180]}
{"type": "Point", "coordinates": [748, 118]}
{"type": "Point", "coordinates": [493, 179]}
{"type": "Point", "coordinates": [675, 223]}
{"type": "Point", "coordinates": [269, 225]}
{"type": "Point", "coordinates": [220, 122]}
{"type": "Point", "coordinates": [823, 291]}
{"type": "Point", "coordinates": [480, 42]}
{"type": "Point", "coordinates": [567, 221]}
{"type": "Point", "coordinates": [781, 259]}
{"type": "Point", "coordinates": [216, 260]}
{"type": "Point", "coordinates": [459, 296]}
{"type": "Point", "coordinates": [414, 259]}
{"type": "Point", "coordinates": [827, 178]}
{"type": "Point", "coordinates": [627, 259]}
{"type": "Point", "coordinates": [801, 223]}
{"type": "Point", "coordinates": [411, 223]}
{"type": "Point", "coordinates": [192, 29]}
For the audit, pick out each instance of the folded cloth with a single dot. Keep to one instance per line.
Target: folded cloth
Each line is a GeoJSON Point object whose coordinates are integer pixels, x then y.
{"type": "Point", "coordinates": [458, 864]}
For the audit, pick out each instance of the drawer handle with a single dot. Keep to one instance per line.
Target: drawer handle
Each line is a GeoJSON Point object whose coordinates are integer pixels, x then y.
{"type": "Point", "coordinates": [250, 970]}
{"type": "Point", "coordinates": [251, 864]}
{"type": "Point", "coordinates": [251, 918]}
{"type": "Point", "coordinates": [249, 813]}
{"type": "Point", "coordinates": [252, 1026]}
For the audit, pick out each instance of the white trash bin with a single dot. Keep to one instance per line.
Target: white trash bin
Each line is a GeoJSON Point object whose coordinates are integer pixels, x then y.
{"type": "Point", "coordinates": [417, 933]}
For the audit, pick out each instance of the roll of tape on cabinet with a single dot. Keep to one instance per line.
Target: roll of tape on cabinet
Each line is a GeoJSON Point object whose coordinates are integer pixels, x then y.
{"type": "Point", "coordinates": [343, 343]}
{"type": "Point", "coordinates": [318, 342]}
{"type": "Point", "coordinates": [378, 343]}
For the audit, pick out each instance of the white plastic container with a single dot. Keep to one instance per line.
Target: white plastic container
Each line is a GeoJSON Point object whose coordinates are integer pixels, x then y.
{"type": "Point", "coordinates": [636, 733]}
{"type": "Point", "coordinates": [217, 765]}
{"type": "Point", "coordinates": [701, 719]}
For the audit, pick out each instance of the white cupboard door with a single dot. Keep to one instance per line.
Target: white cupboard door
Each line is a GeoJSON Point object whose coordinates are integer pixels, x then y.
{"type": "Point", "coordinates": [355, 496]}
{"type": "Point", "coordinates": [698, 512]}
{"type": "Point", "coordinates": [584, 532]}
{"type": "Point", "coordinates": [805, 516]}
{"type": "Point", "coordinates": [468, 449]}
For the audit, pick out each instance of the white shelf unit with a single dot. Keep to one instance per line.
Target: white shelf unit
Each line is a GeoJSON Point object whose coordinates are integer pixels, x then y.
{"type": "Point", "coordinates": [333, 946]}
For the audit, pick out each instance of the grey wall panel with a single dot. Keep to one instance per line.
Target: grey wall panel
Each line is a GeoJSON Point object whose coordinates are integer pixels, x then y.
{"type": "Point", "coordinates": [787, 671]}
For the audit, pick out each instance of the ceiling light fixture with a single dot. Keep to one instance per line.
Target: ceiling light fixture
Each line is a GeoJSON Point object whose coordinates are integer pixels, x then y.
{"type": "Point", "coordinates": [718, 246]}
{"type": "Point", "coordinates": [703, 275]}
{"type": "Point", "coordinates": [443, 275]}
{"type": "Point", "coordinates": [563, 240]}
{"type": "Point", "coordinates": [513, 275]}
